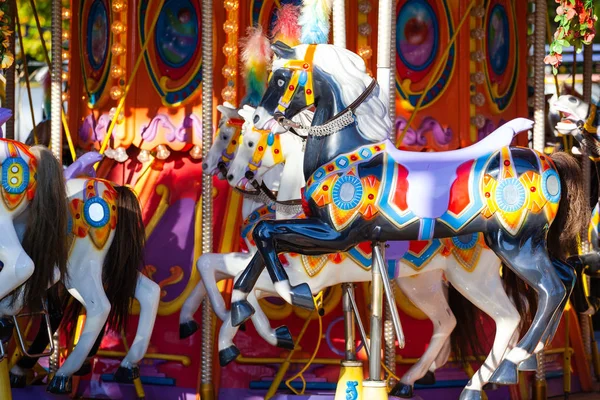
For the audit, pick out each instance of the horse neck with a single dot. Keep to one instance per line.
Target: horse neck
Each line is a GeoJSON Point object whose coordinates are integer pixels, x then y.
{"type": "Point", "coordinates": [321, 150]}
{"type": "Point", "coordinates": [249, 205]}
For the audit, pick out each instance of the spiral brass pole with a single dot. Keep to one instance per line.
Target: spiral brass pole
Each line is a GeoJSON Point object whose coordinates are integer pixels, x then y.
{"type": "Point", "coordinates": [56, 81]}
{"type": "Point", "coordinates": [207, 386]}
{"type": "Point", "coordinates": [539, 51]}
{"type": "Point", "coordinates": [388, 327]}
{"type": "Point", "coordinates": [10, 76]}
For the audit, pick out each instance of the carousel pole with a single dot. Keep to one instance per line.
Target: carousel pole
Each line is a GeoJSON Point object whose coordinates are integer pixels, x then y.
{"type": "Point", "coordinates": [207, 386]}
{"type": "Point", "coordinates": [351, 371]}
{"type": "Point", "coordinates": [10, 76]}
{"type": "Point", "coordinates": [388, 327]}
{"type": "Point", "coordinates": [539, 74]}
{"type": "Point", "coordinates": [56, 81]}
{"type": "Point", "coordinates": [586, 320]}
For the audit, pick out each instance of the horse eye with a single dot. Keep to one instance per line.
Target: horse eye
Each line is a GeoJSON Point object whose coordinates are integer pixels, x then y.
{"type": "Point", "coordinates": [250, 144]}
{"type": "Point", "coordinates": [280, 82]}
{"type": "Point", "coordinates": [572, 99]}
{"type": "Point", "coordinates": [225, 137]}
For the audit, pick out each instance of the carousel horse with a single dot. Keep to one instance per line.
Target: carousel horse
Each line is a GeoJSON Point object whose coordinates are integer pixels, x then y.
{"type": "Point", "coordinates": [360, 188]}
{"type": "Point", "coordinates": [96, 255]}
{"type": "Point", "coordinates": [226, 266]}
{"type": "Point", "coordinates": [467, 263]}
{"type": "Point", "coordinates": [580, 120]}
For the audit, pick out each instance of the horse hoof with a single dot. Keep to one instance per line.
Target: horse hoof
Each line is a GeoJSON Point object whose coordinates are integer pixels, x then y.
{"type": "Point", "coordinates": [85, 369]}
{"type": "Point", "coordinates": [402, 390]}
{"type": "Point", "coordinates": [302, 296]}
{"type": "Point", "coordinates": [187, 329]}
{"type": "Point", "coordinates": [17, 381]}
{"type": "Point", "coordinates": [529, 364]}
{"type": "Point", "coordinates": [427, 379]}
{"type": "Point", "coordinates": [490, 386]}
{"type": "Point", "coordinates": [228, 355]}
{"type": "Point", "coordinates": [127, 375]}
{"type": "Point", "coordinates": [241, 311]}
{"type": "Point", "coordinates": [470, 394]}
{"type": "Point", "coordinates": [284, 338]}
{"type": "Point", "coordinates": [60, 384]}
{"type": "Point", "coordinates": [505, 374]}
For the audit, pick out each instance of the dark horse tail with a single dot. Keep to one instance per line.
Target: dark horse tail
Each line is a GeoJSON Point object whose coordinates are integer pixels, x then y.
{"type": "Point", "coordinates": [574, 212]}
{"type": "Point", "coordinates": [468, 338]}
{"type": "Point", "coordinates": [572, 219]}
{"type": "Point", "coordinates": [45, 238]}
{"type": "Point", "coordinates": [125, 257]}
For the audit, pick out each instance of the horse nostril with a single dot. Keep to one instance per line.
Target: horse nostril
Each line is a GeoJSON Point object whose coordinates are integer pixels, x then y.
{"type": "Point", "coordinates": [230, 177]}
{"type": "Point", "coordinates": [256, 119]}
{"type": "Point", "coordinates": [204, 166]}
{"type": "Point", "coordinates": [249, 175]}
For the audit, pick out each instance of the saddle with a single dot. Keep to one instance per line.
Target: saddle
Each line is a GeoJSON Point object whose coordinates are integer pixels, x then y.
{"type": "Point", "coordinates": [431, 175]}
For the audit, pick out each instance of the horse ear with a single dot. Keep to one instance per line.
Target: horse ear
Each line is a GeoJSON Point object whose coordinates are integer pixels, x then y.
{"type": "Point", "coordinates": [282, 50]}
{"type": "Point", "coordinates": [228, 111]}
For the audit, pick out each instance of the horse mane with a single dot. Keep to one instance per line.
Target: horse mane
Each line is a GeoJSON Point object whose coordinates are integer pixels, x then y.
{"type": "Point", "coordinates": [349, 74]}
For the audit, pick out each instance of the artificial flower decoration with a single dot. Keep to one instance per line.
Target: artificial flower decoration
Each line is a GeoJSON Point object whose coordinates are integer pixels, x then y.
{"type": "Point", "coordinates": [576, 21]}
{"type": "Point", "coordinates": [6, 57]}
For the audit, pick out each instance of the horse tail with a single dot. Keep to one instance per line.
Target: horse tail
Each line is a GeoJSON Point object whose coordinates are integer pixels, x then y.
{"type": "Point", "coordinates": [45, 238]}
{"type": "Point", "coordinates": [124, 258]}
{"type": "Point", "coordinates": [466, 338]}
{"type": "Point", "coordinates": [573, 213]}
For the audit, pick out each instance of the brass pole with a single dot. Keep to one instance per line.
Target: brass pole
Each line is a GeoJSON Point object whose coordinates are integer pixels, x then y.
{"type": "Point", "coordinates": [207, 386]}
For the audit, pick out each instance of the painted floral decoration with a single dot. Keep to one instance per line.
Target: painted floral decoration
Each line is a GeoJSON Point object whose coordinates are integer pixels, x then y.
{"type": "Point", "coordinates": [576, 21]}
{"type": "Point", "coordinates": [6, 57]}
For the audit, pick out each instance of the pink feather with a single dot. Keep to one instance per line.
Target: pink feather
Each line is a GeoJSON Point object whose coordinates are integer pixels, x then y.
{"type": "Point", "coordinates": [286, 27]}
{"type": "Point", "coordinates": [256, 49]}
{"type": "Point", "coordinates": [256, 58]}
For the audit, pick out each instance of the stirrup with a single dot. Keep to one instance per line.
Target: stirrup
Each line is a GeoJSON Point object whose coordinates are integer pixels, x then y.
{"type": "Point", "coordinates": [46, 315]}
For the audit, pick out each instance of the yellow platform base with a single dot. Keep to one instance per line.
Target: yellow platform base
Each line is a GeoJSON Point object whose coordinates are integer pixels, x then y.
{"type": "Point", "coordinates": [375, 390]}
{"type": "Point", "coordinates": [5, 392]}
{"type": "Point", "coordinates": [350, 384]}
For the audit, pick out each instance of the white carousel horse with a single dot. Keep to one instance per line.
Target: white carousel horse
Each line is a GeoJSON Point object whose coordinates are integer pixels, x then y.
{"type": "Point", "coordinates": [96, 237]}
{"type": "Point", "coordinates": [226, 266]}
{"type": "Point", "coordinates": [474, 272]}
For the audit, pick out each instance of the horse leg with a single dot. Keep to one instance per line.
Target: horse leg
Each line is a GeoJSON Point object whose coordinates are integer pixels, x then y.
{"type": "Point", "coordinates": [568, 277]}
{"type": "Point", "coordinates": [147, 292]}
{"type": "Point", "coordinates": [18, 267]}
{"type": "Point", "coordinates": [304, 236]}
{"type": "Point", "coordinates": [187, 325]}
{"type": "Point", "coordinates": [484, 288]}
{"type": "Point", "coordinates": [280, 337]}
{"type": "Point", "coordinates": [529, 259]}
{"type": "Point", "coordinates": [85, 284]}
{"type": "Point", "coordinates": [426, 291]}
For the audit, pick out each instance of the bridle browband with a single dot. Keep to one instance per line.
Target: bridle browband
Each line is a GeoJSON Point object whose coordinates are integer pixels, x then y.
{"type": "Point", "coordinates": [303, 75]}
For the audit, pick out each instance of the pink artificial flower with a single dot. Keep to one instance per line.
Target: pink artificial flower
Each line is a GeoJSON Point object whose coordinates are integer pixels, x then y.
{"type": "Point", "coordinates": [558, 32]}
{"type": "Point", "coordinates": [589, 37]}
{"type": "Point", "coordinates": [560, 10]}
{"type": "Point", "coordinates": [570, 14]}
{"type": "Point", "coordinates": [553, 59]}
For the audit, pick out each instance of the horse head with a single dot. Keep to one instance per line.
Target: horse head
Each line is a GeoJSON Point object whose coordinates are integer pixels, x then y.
{"type": "Point", "coordinates": [225, 144]}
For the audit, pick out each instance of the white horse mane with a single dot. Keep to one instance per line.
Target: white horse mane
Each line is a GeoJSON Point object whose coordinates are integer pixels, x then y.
{"type": "Point", "coordinates": [348, 71]}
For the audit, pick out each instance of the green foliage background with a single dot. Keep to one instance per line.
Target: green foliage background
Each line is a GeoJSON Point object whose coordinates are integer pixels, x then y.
{"type": "Point", "coordinates": [31, 37]}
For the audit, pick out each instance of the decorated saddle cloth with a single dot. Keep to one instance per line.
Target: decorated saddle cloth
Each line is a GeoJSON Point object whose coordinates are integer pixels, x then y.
{"type": "Point", "coordinates": [19, 173]}
{"type": "Point", "coordinates": [94, 212]}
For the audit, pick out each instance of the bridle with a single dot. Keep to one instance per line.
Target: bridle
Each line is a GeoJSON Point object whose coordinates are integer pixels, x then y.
{"type": "Point", "coordinates": [268, 142]}
{"type": "Point", "coordinates": [302, 75]}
